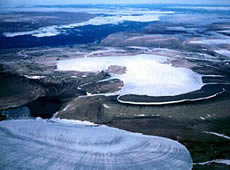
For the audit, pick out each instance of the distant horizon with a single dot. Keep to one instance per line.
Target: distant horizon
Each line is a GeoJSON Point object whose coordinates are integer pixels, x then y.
{"type": "Point", "coordinates": [17, 3]}
{"type": "Point", "coordinates": [118, 4]}
{"type": "Point", "coordinates": [133, 4]}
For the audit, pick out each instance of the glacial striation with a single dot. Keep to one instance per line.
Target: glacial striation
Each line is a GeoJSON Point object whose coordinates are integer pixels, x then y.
{"type": "Point", "coordinates": [42, 144]}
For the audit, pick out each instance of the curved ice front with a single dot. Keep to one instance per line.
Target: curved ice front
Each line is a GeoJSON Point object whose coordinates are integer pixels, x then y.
{"type": "Point", "coordinates": [40, 144]}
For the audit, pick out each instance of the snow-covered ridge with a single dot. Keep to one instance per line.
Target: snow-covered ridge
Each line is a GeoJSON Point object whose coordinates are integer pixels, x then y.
{"type": "Point", "coordinates": [41, 144]}
{"type": "Point", "coordinates": [145, 74]}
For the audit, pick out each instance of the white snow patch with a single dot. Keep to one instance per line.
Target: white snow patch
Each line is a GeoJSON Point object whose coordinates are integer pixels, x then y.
{"type": "Point", "coordinates": [218, 134]}
{"type": "Point", "coordinates": [99, 94]}
{"type": "Point", "coordinates": [84, 76]}
{"type": "Point", "coordinates": [145, 74]}
{"type": "Point", "coordinates": [225, 31]}
{"type": "Point", "coordinates": [223, 52]}
{"type": "Point", "coordinates": [75, 122]}
{"type": "Point", "coordinates": [34, 77]}
{"type": "Point", "coordinates": [202, 118]}
{"type": "Point", "coordinates": [73, 76]}
{"type": "Point", "coordinates": [88, 94]}
{"type": "Point", "coordinates": [142, 115]}
{"type": "Point", "coordinates": [218, 161]}
{"type": "Point", "coordinates": [41, 32]}
{"type": "Point", "coordinates": [106, 106]}
{"type": "Point", "coordinates": [65, 108]}
{"type": "Point", "coordinates": [210, 75]}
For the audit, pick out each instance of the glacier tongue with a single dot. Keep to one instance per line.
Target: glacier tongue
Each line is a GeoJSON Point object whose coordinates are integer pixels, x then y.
{"type": "Point", "coordinates": [42, 144]}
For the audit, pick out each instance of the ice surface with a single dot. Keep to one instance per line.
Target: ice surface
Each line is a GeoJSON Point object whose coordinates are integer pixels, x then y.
{"type": "Point", "coordinates": [41, 144]}
{"type": "Point", "coordinates": [145, 74]}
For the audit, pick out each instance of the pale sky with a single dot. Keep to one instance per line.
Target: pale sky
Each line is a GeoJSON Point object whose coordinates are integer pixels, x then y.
{"type": "Point", "coordinates": [64, 2]}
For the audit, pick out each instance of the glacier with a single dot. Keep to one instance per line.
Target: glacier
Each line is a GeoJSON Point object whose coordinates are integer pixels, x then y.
{"type": "Point", "coordinates": [146, 74]}
{"type": "Point", "coordinates": [50, 144]}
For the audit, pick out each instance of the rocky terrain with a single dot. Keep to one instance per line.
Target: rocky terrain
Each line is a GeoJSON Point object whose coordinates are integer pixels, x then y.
{"type": "Point", "coordinates": [79, 96]}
